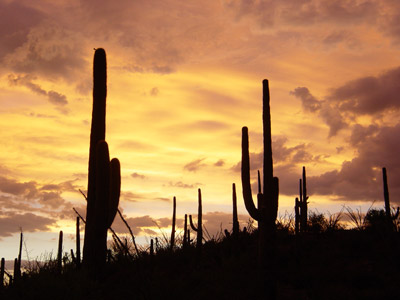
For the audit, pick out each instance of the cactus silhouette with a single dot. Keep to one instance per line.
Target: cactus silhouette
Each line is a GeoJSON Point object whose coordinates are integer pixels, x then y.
{"type": "Point", "coordinates": [2, 271]}
{"type": "Point", "coordinates": [199, 228]}
{"type": "Point", "coordinates": [235, 226]}
{"type": "Point", "coordinates": [173, 225]}
{"type": "Point", "coordinates": [388, 212]}
{"type": "Point", "coordinates": [267, 210]}
{"type": "Point", "coordinates": [297, 206]}
{"type": "Point", "coordinates": [104, 179]}
{"type": "Point", "coordinates": [78, 244]}
{"type": "Point", "coordinates": [185, 230]}
{"type": "Point", "coordinates": [59, 252]}
{"type": "Point", "coordinates": [303, 202]}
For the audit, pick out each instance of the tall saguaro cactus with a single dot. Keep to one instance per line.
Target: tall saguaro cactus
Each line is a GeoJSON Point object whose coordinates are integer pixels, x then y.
{"type": "Point", "coordinates": [104, 179]}
{"type": "Point", "coordinates": [267, 206]}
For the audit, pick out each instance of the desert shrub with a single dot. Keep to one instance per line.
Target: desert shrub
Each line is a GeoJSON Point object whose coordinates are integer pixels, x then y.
{"type": "Point", "coordinates": [317, 222]}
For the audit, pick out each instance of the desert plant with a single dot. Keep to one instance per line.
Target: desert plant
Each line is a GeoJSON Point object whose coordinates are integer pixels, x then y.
{"type": "Point", "coordinates": [390, 216]}
{"type": "Point", "coordinates": [285, 223]}
{"type": "Point", "coordinates": [185, 230]}
{"type": "Point", "coordinates": [173, 224]}
{"type": "Point", "coordinates": [59, 253]}
{"type": "Point", "coordinates": [235, 226]}
{"type": "Point", "coordinates": [303, 201]}
{"type": "Point", "coordinates": [2, 270]}
{"type": "Point", "coordinates": [317, 222]}
{"type": "Point", "coordinates": [333, 221]}
{"type": "Point", "coordinates": [78, 244]}
{"type": "Point", "coordinates": [267, 210]}
{"type": "Point", "coordinates": [104, 179]}
{"type": "Point", "coordinates": [199, 228]}
{"type": "Point", "coordinates": [297, 216]}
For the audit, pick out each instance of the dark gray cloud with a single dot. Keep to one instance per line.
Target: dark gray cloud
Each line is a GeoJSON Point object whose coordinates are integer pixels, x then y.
{"type": "Point", "coordinates": [59, 100]}
{"type": "Point", "coordinates": [220, 163]}
{"type": "Point", "coordinates": [359, 133]}
{"type": "Point", "coordinates": [330, 114]}
{"type": "Point", "coordinates": [308, 101]}
{"type": "Point", "coordinates": [11, 223]}
{"type": "Point", "coordinates": [369, 95]}
{"type": "Point", "coordinates": [137, 175]}
{"type": "Point", "coordinates": [16, 20]}
{"type": "Point", "coordinates": [361, 178]}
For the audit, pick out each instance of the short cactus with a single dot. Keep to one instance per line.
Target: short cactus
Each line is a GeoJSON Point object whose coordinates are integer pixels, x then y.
{"type": "Point", "coordinates": [303, 202]}
{"type": "Point", "coordinates": [59, 252]}
{"type": "Point", "coordinates": [173, 225]}
{"type": "Point", "coordinates": [199, 228]}
{"type": "Point", "coordinates": [235, 227]}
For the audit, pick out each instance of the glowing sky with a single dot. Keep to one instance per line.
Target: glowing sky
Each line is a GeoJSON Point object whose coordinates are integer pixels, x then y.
{"type": "Point", "coordinates": [183, 78]}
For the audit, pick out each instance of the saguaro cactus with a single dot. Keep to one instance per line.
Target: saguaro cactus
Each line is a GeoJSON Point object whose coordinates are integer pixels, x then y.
{"type": "Point", "coordinates": [235, 227]}
{"type": "Point", "coordinates": [297, 216]}
{"type": "Point", "coordinates": [185, 229]}
{"type": "Point", "coordinates": [199, 228]}
{"type": "Point", "coordinates": [388, 211]}
{"type": "Point", "coordinates": [267, 210]}
{"type": "Point", "coordinates": [2, 271]}
{"type": "Point", "coordinates": [59, 252]}
{"type": "Point", "coordinates": [104, 179]}
{"type": "Point", "coordinates": [78, 244]}
{"type": "Point", "coordinates": [173, 224]}
{"type": "Point", "coordinates": [303, 202]}
{"type": "Point", "coordinates": [386, 194]}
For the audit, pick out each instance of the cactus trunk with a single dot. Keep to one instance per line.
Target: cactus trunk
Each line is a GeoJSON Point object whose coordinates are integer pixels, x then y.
{"type": "Point", "coordinates": [2, 271]}
{"type": "Point", "coordinates": [235, 221]}
{"type": "Point", "coordinates": [386, 194]}
{"type": "Point", "coordinates": [267, 206]}
{"type": "Point", "coordinates": [297, 216]}
{"type": "Point", "coordinates": [78, 244]}
{"type": "Point", "coordinates": [173, 225]}
{"type": "Point", "coordinates": [59, 252]}
{"type": "Point", "coordinates": [104, 179]}
{"type": "Point", "coordinates": [199, 228]}
{"type": "Point", "coordinates": [185, 229]}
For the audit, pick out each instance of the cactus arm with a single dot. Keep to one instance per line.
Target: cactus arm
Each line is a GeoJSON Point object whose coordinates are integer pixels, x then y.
{"type": "Point", "coordinates": [246, 186]}
{"type": "Point", "coordinates": [192, 224]}
{"type": "Point", "coordinates": [115, 190]}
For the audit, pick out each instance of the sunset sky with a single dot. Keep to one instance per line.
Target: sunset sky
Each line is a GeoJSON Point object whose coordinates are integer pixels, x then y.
{"type": "Point", "coordinates": [183, 78]}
